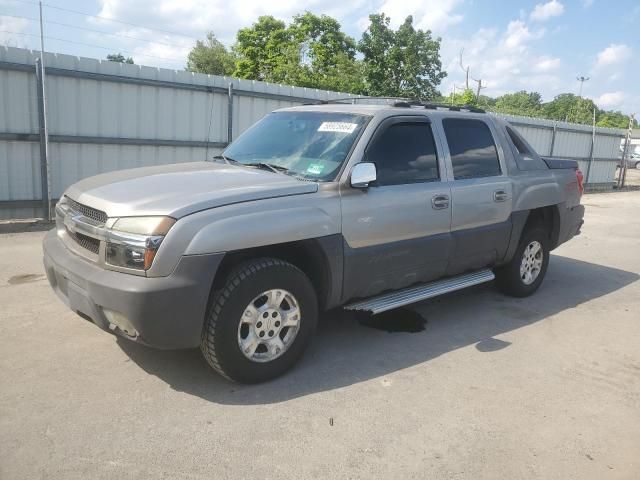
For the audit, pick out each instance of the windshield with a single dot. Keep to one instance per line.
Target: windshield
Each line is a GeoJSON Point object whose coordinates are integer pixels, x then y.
{"type": "Point", "coordinates": [307, 144]}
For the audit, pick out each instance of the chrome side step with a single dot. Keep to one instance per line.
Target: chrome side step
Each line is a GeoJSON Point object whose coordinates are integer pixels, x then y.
{"type": "Point", "coordinates": [399, 298]}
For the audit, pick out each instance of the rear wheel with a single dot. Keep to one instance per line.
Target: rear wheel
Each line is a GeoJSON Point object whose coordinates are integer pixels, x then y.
{"type": "Point", "coordinates": [260, 322]}
{"type": "Point", "coordinates": [524, 273]}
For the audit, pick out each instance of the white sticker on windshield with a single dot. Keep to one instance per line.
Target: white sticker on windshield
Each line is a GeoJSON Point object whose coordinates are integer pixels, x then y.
{"type": "Point", "coordinates": [341, 127]}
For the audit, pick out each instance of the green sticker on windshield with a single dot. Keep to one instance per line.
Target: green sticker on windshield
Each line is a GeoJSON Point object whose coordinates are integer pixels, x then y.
{"type": "Point", "coordinates": [315, 168]}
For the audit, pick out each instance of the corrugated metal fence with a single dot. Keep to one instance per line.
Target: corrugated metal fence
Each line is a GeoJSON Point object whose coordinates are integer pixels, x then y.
{"type": "Point", "coordinates": [597, 151]}
{"type": "Point", "coordinates": [105, 116]}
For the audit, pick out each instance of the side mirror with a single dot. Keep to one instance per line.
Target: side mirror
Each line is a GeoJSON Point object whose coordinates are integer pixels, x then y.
{"type": "Point", "coordinates": [362, 174]}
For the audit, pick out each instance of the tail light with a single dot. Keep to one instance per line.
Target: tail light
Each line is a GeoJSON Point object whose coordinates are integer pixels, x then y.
{"type": "Point", "coordinates": [580, 178]}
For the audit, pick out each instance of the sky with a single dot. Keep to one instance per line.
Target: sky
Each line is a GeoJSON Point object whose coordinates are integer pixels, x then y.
{"type": "Point", "coordinates": [539, 45]}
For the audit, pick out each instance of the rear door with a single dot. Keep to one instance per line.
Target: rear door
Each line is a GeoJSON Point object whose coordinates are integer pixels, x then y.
{"type": "Point", "coordinates": [396, 231]}
{"type": "Point", "coordinates": [481, 193]}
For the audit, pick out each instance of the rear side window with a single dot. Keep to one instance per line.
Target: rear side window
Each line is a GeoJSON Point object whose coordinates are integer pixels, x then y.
{"type": "Point", "coordinates": [473, 151]}
{"type": "Point", "coordinates": [518, 142]}
{"type": "Point", "coordinates": [405, 153]}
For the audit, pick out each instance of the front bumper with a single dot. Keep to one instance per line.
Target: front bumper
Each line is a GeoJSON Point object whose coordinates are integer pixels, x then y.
{"type": "Point", "coordinates": [166, 312]}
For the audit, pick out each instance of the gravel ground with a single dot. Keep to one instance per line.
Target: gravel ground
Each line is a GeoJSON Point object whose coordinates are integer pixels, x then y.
{"type": "Point", "coordinates": [493, 387]}
{"type": "Point", "coordinates": [633, 178]}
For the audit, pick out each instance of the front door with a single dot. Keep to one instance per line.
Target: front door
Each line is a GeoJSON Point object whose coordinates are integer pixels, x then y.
{"type": "Point", "coordinates": [396, 231]}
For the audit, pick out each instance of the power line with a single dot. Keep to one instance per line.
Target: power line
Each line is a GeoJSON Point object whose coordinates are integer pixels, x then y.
{"type": "Point", "coordinates": [118, 21]}
{"type": "Point", "coordinates": [93, 46]}
{"type": "Point", "coordinates": [78, 12]}
{"type": "Point", "coordinates": [99, 31]}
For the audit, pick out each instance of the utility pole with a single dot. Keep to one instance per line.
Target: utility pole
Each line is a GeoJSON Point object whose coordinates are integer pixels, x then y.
{"type": "Point", "coordinates": [627, 141]}
{"type": "Point", "coordinates": [581, 80]}
{"type": "Point", "coordinates": [466, 70]}
{"type": "Point", "coordinates": [45, 130]}
{"type": "Point", "coordinates": [480, 87]}
{"type": "Point", "coordinates": [592, 148]}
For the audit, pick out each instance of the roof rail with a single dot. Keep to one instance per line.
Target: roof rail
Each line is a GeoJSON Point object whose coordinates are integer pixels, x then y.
{"type": "Point", "coordinates": [455, 108]}
{"type": "Point", "coordinates": [435, 106]}
{"type": "Point", "coordinates": [353, 100]}
{"type": "Point", "coordinates": [401, 103]}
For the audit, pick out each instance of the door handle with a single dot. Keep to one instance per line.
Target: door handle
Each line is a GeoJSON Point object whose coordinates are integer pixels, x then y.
{"type": "Point", "coordinates": [500, 196]}
{"type": "Point", "coordinates": [440, 201]}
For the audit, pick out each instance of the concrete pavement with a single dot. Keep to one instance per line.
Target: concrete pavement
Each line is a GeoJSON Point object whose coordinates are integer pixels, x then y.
{"type": "Point", "coordinates": [493, 387]}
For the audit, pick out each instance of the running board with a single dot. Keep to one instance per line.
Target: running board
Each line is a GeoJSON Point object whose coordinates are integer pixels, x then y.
{"type": "Point", "coordinates": [399, 298]}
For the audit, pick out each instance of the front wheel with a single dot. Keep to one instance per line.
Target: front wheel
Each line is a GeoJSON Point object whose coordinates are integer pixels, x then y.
{"type": "Point", "coordinates": [523, 275]}
{"type": "Point", "coordinates": [260, 322]}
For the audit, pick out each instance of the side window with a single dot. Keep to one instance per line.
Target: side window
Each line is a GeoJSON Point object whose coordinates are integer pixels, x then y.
{"type": "Point", "coordinates": [473, 151]}
{"type": "Point", "coordinates": [405, 153]}
{"type": "Point", "coordinates": [517, 142]}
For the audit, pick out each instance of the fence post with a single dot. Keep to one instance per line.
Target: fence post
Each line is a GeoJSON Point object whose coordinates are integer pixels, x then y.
{"type": "Point", "coordinates": [553, 138]}
{"type": "Point", "coordinates": [623, 164]}
{"type": "Point", "coordinates": [42, 130]}
{"type": "Point", "coordinates": [591, 149]}
{"type": "Point", "coordinates": [230, 114]}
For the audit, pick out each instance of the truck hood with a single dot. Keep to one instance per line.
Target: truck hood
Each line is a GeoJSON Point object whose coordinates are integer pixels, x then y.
{"type": "Point", "coordinates": [181, 189]}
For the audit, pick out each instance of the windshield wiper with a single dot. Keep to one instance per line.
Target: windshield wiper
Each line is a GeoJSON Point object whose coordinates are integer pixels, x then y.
{"type": "Point", "coordinates": [268, 166]}
{"type": "Point", "coordinates": [226, 159]}
{"type": "Point", "coordinates": [272, 167]}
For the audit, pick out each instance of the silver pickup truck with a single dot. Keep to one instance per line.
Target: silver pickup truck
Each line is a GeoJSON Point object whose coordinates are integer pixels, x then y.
{"type": "Point", "coordinates": [368, 207]}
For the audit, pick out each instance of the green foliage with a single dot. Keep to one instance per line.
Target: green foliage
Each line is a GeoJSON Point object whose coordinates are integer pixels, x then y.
{"type": "Point", "coordinates": [519, 103]}
{"type": "Point", "coordinates": [311, 52]}
{"type": "Point", "coordinates": [564, 107]}
{"type": "Point", "coordinates": [570, 108]}
{"type": "Point", "coordinates": [263, 50]}
{"type": "Point", "coordinates": [119, 58]}
{"type": "Point", "coordinates": [401, 63]}
{"type": "Point", "coordinates": [326, 55]}
{"type": "Point", "coordinates": [210, 56]}
{"type": "Point", "coordinates": [314, 52]}
{"type": "Point", "coordinates": [320, 41]}
{"type": "Point", "coordinates": [486, 101]}
{"type": "Point", "coordinates": [466, 97]}
{"type": "Point", "coordinates": [614, 120]}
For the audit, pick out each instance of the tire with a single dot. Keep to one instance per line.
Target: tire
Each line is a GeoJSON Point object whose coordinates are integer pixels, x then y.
{"type": "Point", "coordinates": [236, 316]}
{"type": "Point", "coordinates": [638, 166]}
{"type": "Point", "coordinates": [509, 278]}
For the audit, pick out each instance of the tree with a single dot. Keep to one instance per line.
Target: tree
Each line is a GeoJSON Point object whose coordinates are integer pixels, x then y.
{"type": "Point", "coordinates": [311, 52]}
{"type": "Point", "coordinates": [613, 119]}
{"type": "Point", "coordinates": [519, 103]}
{"type": "Point", "coordinates": [486, 102]}
{"type": "Point", "coordinates": [466, 97]}
{"type": "Point", "coordinates": [326, 55]}
{"type": "Point", "coordinates": [263, 50]}
{"type": "Point", "coordinates": [571, 108]}
{"type": "Point", "coordinates": [118, 57]}
{"type": "Point", "coordinates": [404, 63]}
{"type": "Point", "coordinates": [211, 56]}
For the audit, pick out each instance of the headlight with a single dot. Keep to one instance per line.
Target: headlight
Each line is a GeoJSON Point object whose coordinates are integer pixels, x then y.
{"type": "Point", "coordinates": [132, 242]}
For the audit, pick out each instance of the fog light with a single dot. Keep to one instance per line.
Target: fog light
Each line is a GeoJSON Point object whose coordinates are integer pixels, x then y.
{"type": "Point", "coordinates": [118, 320]}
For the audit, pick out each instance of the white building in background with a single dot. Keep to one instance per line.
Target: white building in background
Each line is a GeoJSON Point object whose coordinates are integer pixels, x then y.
{"type": "Point", "coordinates": [635, 141]}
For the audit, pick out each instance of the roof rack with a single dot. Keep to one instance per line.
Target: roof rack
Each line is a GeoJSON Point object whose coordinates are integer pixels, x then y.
{"type": "Point", "coordinates": [401, 103]}
{"type": "Point", "coordinates": [435, 106]}
{"type": "Point", "coordinates": [354, 100]}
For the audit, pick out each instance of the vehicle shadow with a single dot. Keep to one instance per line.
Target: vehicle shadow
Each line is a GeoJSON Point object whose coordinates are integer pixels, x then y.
{"type": "Point", "coordinates": [345, 351]}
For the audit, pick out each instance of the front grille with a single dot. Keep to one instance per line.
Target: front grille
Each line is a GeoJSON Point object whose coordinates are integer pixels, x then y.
{"type": "Point", "coordinates": [88, 243]}
{"type": "Point", "coordinates": [89, 212]}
